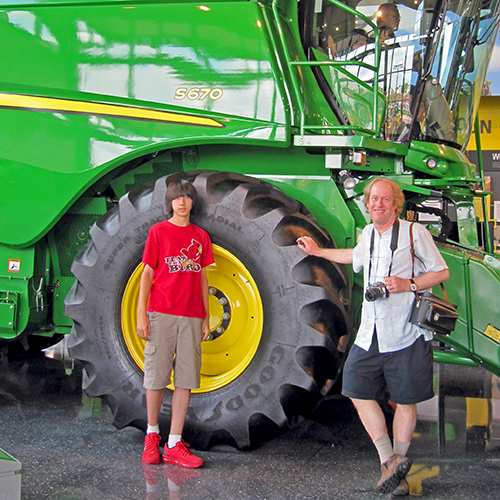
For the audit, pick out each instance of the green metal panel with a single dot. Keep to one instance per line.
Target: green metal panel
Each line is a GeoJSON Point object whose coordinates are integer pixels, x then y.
{"type": "Point", "coordinates": [98, 85]}
{"type": "Point", "coordinates": [9, 303]}
{"type": "Point", "coordinates": [485, 282]}
{"type": "Point", "coordinates": [450, 163]}
{"type": "Point", "coordinates": [64, 241]}
{"type": "Point", "coordinates": [457, 289]}
{"type": "Point", "coordinates": [473, 285]}
{"type": "Point", "coordinates": [16, 273]}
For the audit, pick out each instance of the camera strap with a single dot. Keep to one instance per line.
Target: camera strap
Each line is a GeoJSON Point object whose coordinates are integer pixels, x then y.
{"type": "Point", "coordinates": [394, 245]}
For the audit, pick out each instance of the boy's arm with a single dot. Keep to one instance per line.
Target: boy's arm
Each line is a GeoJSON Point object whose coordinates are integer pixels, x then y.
{"type": "Point", "coordinates": [205, 324]}
{"type": "Point", "coordinates": [143, 325]}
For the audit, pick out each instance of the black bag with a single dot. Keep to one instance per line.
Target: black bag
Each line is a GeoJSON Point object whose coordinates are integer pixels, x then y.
{"type": "Point", "coordinates": [430, 311]}
{"type": "Point", "coordinates": [434, 313]}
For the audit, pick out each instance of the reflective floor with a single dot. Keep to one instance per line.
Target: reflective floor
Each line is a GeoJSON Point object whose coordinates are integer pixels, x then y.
{"type": "Point", "coordinates": [69, 450]}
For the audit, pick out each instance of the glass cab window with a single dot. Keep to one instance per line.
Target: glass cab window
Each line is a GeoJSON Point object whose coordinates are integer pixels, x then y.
{"type": "Point", "coordinates": [430, 58]}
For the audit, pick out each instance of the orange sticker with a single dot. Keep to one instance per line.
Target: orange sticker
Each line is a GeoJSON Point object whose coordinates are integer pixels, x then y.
{"type": "Point", "coordinates": [14, 266]}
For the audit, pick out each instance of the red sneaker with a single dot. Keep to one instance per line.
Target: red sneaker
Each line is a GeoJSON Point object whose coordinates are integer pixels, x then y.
{"type": "Point", "coordinates": [151, 453]}
{"type": "Point", "coordinates": [180, 455]}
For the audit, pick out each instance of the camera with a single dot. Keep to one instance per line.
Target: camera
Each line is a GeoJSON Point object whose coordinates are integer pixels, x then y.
{"type": "Point", "coordinates": [376, 291]}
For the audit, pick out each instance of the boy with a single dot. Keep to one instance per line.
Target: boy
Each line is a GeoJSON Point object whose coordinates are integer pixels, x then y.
{"type": "Point", "coordinates": [175, 321]}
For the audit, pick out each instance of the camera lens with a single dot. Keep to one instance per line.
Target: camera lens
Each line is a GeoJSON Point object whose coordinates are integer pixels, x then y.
{"type": "Point", "coordinates": [372, 294]}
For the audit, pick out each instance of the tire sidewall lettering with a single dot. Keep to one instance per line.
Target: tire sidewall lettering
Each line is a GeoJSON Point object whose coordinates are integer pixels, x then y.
{"type": "Point", "coordinates": [225, 222]}
{"type": "Point", "coordinates": [253, 391]}
{"type": "Point", "coordinates": [135, 244]}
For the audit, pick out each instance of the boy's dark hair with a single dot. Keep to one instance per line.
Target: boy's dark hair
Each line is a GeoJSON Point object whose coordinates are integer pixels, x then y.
{"type": "Point", "coordinates": [178, 188]}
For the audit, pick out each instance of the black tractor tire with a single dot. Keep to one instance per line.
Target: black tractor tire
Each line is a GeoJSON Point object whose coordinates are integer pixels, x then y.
{"type": "Point", "coordinates": [305, 301]}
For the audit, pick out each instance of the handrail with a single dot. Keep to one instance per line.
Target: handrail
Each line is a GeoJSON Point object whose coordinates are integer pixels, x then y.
{"type": "Point", "coordinates": [376, 124]}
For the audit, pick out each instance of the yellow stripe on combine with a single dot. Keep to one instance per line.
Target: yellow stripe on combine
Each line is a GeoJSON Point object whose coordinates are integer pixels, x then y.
{"type": "Point", "coordinates": [45, 104]}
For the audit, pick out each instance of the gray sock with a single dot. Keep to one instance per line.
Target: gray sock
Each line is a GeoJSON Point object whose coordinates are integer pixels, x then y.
{"type": "Point", "coordinates": [401, 448]}
{"type": "Point", "coordinates": [384, 448]}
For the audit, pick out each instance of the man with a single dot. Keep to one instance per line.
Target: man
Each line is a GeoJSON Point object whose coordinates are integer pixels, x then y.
{"type": "Point", "coordinates": [388, 20]}
{"type": "Point", "coordinates": [175, 320]}
{"type": "Point", "coordinates": [388, 350]}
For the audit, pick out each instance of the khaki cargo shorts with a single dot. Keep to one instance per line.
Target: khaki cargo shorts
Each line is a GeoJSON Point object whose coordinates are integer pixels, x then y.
{"type": "Point", "coordinates": [172, 335]}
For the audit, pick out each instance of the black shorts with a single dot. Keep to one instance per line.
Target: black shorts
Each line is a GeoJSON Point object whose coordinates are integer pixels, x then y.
{"type": "Point", "coordinates": [407, 374]}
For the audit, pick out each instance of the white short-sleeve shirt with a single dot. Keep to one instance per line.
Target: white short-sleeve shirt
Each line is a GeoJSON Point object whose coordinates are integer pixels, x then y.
{"type": "Point", "coordinates": [391, 316]}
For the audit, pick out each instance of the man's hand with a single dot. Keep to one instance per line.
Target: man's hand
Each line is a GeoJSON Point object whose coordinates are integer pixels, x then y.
{"type": "Point", "coordinates": [143, 326]}
{"type": "Point", "coordinates": [396, 285]}
{"type": "Point", "coordinates": [308, 245]}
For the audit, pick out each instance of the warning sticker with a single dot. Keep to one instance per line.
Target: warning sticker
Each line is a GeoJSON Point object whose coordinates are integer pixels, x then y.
{"type": "Point", "coordinates": [492, 333]}
{"type": "Point", "coordinates": [14, 266]}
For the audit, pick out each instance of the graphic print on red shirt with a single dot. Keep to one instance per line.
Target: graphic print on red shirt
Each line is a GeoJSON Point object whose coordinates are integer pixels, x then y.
{"type": "Point", "coordinates": [188, 261]}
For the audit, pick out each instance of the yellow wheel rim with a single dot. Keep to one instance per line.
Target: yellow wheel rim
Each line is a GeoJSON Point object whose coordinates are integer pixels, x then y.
{"type": "Point", "coordinates": [236, 319]}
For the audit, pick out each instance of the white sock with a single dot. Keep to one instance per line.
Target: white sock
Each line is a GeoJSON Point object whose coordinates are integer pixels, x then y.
{"type": "Point", "coordinates": [384, 448]}
{"type": "Point", "coordinates": [173, 439]}
{"type": "Point", "coordinates": [153, 428]}
{"type": "Point", "coordinates": [401, 448]}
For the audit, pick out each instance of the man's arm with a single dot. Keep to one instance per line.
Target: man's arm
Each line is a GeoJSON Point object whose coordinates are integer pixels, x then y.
{"type": "Point", "coordinates": [143, 325]}
{"type": "Point", "coordinates": [432, 278]}
{"type": "Point", "coordinates": [339, 255]}
{"type": "Point", "coordinates": [205, 324]}
{"type": "Point", "coordinates": [427, 280]}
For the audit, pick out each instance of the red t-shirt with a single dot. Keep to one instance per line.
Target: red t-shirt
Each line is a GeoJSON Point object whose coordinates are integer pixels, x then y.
{"type": "Point", "coordinates": [177, 255]}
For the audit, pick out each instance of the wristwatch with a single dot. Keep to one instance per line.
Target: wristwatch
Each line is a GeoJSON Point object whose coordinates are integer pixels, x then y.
{"type": "Point", "coordinates": [413, 285]}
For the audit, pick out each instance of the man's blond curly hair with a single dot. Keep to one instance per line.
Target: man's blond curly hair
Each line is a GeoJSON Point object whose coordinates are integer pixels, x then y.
{"type": "Point", "coordinates": [397, 193]}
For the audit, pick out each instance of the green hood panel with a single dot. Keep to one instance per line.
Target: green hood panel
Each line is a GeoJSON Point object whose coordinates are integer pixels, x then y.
{"type": "Point", "coordinates": [87, 87]}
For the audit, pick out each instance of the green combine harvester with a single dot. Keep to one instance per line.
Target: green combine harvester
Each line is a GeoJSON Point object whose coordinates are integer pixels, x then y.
{"type": "Point", "coordinates": [279, 112]}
